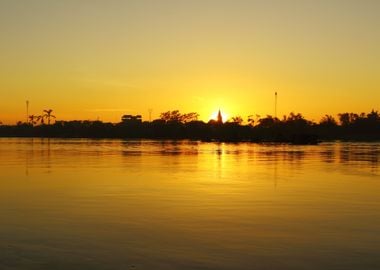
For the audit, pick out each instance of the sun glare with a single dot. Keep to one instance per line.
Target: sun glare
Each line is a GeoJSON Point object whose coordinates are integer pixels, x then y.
{"type": "Point", "coordinates": [214, 116]}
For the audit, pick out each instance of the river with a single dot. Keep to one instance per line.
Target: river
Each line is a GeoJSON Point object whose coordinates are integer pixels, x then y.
{"type": "Point", "coordinates": [115, 204]}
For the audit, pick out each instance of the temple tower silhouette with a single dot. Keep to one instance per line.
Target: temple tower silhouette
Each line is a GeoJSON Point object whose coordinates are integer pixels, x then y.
{"type": "Point", "coordinates": [220, 118]}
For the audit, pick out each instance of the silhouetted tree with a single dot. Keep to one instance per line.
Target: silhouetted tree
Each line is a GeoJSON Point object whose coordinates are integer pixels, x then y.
{"type": "Point", "coordinates": [373, 116]}
{"type": "Point", "coordinates": [33, 119]}
{"type": "Point", "coordinates": [176, 116]}
{"type": "Point", "coordinates": [189, 117]}
{"type": "Point", "coordinates": [328, 121]}
{"type": "Point", "coordinates": [236, 120]}
{"type": "Point", "coordinates": [294, 117]}
{"type": "Point", "coordinates": [251, 120]}
{"type": "Point", "coordinates": [267, 122]}
{"type": "Point", "coordinates": [48, 115]}
{"type": "Point", "coordinates": [171, 116]}
{"type": "Point", "coordinates": [346, 119]}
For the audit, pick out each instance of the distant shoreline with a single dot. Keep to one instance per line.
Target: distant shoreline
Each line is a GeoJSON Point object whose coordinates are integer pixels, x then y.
{"type": "Point", "coordinates": [198, 140]}
{"type": "Point", "coordinates": [292, 129]}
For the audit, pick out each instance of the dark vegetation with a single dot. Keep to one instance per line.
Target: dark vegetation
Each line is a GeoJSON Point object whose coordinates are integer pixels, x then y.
{"type": "Point", "coordinates": [293, 128]}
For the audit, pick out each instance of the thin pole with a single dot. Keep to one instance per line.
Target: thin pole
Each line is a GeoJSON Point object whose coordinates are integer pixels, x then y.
{"type": "Point", "coordinates": [275, 104]}
{"type": "Point", "coordinates": [27, 111]}
{"type": "Point", "coordinates": [150, 115]}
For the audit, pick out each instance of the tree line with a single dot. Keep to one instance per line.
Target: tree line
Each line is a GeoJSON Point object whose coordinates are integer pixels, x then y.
{"type": "Point", "coordinates": [47, 115]}
{"type": "Point", "coordinates": [292, 128]}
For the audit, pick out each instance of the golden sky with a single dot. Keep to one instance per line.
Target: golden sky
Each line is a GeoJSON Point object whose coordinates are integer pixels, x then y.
{"type": "Point", "coordinates": [89, 59]}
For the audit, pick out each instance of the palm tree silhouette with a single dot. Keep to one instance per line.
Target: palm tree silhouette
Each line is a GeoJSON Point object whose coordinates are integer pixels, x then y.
{"type": "Point", "coordinates": [33, 119]}
{"type": "Point", "coordinates": [48, 115]}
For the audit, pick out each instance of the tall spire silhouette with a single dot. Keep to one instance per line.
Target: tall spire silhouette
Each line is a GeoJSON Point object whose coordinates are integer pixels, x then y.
{"type": "Point", "coordinates": [220, 118]}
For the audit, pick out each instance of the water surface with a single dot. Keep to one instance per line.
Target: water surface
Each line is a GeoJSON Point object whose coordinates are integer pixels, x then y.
{"type": "Point", "coordinates": [114, 204]}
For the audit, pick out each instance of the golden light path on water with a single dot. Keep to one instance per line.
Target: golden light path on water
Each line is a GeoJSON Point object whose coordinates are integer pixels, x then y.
{"type": "Point", "coordinates": [87, 204]}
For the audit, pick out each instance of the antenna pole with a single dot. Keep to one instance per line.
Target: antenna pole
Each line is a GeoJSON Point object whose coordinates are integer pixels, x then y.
{"type": "Point", "coordinates": [275, 104]}
{"type": "Point", "coordinates": [27, 111]}
{"type": "Point", "coordinates": [150, 115]}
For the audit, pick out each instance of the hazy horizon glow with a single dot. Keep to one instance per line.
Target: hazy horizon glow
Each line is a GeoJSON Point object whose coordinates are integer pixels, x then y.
{"type": "Point", "coordinates": [102, 59]}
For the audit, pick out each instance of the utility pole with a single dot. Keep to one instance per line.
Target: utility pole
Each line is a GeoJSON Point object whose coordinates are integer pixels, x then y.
{"type": "Point", "coordinates": [27, 111]}
{"type": "Point", "coordinates": [275, 104]}
{"type": "Point", "coordinates": [150, 115]}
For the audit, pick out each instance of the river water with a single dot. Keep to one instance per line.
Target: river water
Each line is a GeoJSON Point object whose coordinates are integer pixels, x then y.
{"type": "Point", "coordinates": [114, 204]}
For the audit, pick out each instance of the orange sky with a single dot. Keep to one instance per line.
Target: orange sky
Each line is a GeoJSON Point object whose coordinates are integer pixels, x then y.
{"type": "Point", "coordinates": [101, 59]}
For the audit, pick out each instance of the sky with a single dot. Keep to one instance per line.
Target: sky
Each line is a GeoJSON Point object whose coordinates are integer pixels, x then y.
{"type": "Point", "coordinates": [89, 59]}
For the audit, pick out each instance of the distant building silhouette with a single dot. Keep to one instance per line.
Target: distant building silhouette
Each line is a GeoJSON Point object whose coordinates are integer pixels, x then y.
{"type": "Point", "coordinates": [220, 118]}
{"type": "Point", "coordinates": [131, 118]}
